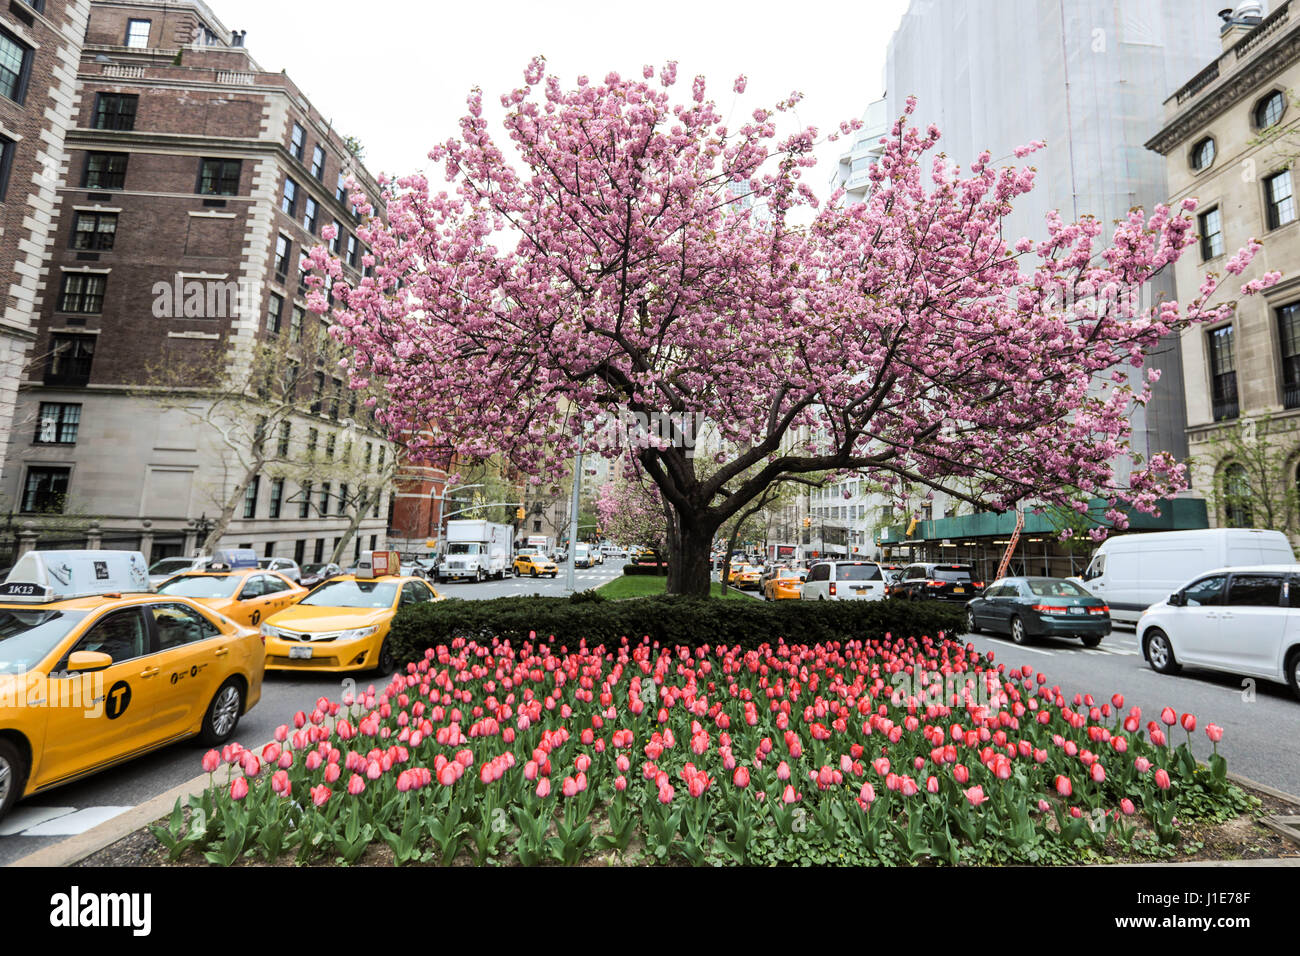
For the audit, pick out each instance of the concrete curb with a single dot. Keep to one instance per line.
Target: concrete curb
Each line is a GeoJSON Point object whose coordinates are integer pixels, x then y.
{"type": "Point", "coordinates": [75, 849]}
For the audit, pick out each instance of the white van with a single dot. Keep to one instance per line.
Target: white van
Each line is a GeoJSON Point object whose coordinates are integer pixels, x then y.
{"type": "Point", "coordinates": [1133, 571]}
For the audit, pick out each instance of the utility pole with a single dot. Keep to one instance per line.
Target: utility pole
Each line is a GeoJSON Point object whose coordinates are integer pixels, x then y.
{"type": "Point", "coordinates": [569, 571]}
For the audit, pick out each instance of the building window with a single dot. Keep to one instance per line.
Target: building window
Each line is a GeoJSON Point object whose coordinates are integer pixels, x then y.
{"type": "Point", "coordinates": [137, 33]}
{"type": "Point", "coordinates": [7, 147]}
{"type": "Point", "coordinates": [94, 230]}
{"type": "Point", "coordinates": [335, 397]}
{"type": "Point", "coordinates": [319, 393]}
{"type": "Point", "coordinates": [15, 66]}
{"type": "Point", "coordinates": [283, 251]}
{"type": "Point", "coordinates": [1281, 205]}
{"type": "Point", "coordinates": [289, 201]}
{"type": "Point", "coordinates": [1211, 234]}
{"type": "Point", "coordinates": [313, 438]}
{"type": "Point", "coordinates": [1237, 511]}
{"type": "Point", "coordinates": [115, 111]}
{"type": "Point", "coordinates": [70, 359]}
{"type": "Point", "coordinates": [295, 324]}
{"type": "Point", "coordinates": [277, 497]}
{"type": "Point", "coordinates": [341, 190]}
{"type": "Point", "coordinates": [1203, 153]}
{"type": "Point", "coordinates": [282, 444]}
{"type": "Point", "coordinates": [297, 142]}
{"type": "Point", "coordinates": [57, 424]}
{"type": "Point", "coordinates": [338, 237]}
{"type": "Point", "coordinates": [46, 490]}
{"type": "Point", "coordinates": [250, 497]}
{"type": "Point", "coordinates": [274, 309]}
{"type": "Point", "coordinates": [304, 506]}
{"type": "Point", "coordinates": [343, 497]}
{"type": "Point", "coordinates": [83, 293]}
{"type": "Point", "coordinates": [352, 250]}
{"type": "Point", "coordinates": [318, 162]}
{"type": "Point", "coordinates": [304, 270]}
{"type": "Point", "coordinates": [1288, 320]}
{"type": "Point", "coordinates": [1223, 374]}
{"type": "Point", "coordinates": [219, 177]}
{"type": "Point", "coordinates": [300, 551]}
{"type": "Point", "coordinates": [318, 554]}
{"type": "Point", "coordinates": [105, 171]}
{"type": "Point", "coordinates": [1269, 110]}
{"type": "Point", "coordinates": [309, 216]}
{"type": "Point", "coordinates": [324, 507]}
{"type": "Point", "coordinates": [331, 443]}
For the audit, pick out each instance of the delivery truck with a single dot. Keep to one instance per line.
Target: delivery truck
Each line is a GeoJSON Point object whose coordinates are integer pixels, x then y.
{"type": "Point", "coordinates": [475, 549]}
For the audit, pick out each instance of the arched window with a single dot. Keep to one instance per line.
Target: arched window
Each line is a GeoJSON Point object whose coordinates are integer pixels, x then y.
{"type": "Point", "coordinates": [1237, 510]}
{"type": "Point", "coordinates": [1269, 110]}
{"type": "Point", "coordinates": [1203, 153]}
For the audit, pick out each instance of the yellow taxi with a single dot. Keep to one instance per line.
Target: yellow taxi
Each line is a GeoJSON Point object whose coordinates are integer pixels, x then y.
{"type": "Point", "coordinates": [235, 586]}
{"type": "Point", "coordinates": [748, 577]}
{"type": "Point", "coordinates": [342, 625]}
{"type": "Point", "coordinates": [784, 585]}
{"type": "Point", "coordinates": [534, 565]}
{"type": "Point", "coordinates": [737, 570]}
{"type": "Point", "coordinates": [95, 669]}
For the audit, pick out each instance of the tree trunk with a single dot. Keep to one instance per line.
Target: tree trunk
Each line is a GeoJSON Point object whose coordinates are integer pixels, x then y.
{"type": "Point", "coordinates": [228, 509]}
{"type": "Point", "coordinates": [358, 515]}
{"type": "Point", "coordinates": [689, 547]}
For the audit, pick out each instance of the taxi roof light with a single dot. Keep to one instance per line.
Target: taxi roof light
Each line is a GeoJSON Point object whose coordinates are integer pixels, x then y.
{"type": "Point", "coordinates": [228, 559]}
{"type": "Point", "coordinates": [377, 564]}
{"type": "Point", "coordinates": [41, 577]}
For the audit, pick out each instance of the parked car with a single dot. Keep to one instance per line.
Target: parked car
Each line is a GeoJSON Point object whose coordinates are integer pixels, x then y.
{"type": "Point", "coordinates": [314, 574]}
{"type": "Point", "coordinates": [286, 566]}
{"type": "Point", "coordinates": [844, 581]}
{"type": "Point", "coordinates": [1133, 571]}
{"type": "Point", "coordinates": [1242, 620]}
{"type": "Point", "coordinates": [164, 568]}
{"type": "Point", "coordinates": [946, 582]}
{"type": "Point", "coordinates": [1029, 607]}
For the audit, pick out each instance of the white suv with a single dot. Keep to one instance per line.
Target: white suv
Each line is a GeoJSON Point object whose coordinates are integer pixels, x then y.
{"type": "Point", "coordinates": [1240, 620]}
{"type": "Point", "coordinates": [844, 581]}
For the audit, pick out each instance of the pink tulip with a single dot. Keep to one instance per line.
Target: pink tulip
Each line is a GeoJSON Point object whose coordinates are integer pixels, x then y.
{"type": "Point", "coordinates": [788, 795]}
{"type": "Point", "coordinates": [544, 787]}
{"type": "Point", "coordinates": [1142, 764]}
{"type": "Point", "coordinates": [1162, 779]}
{"type": "Point", "coordinates": [1127, 806]}
{"type": "Point", "coordinates": [1214, 732]}
{"type": "Point", "coordinates": [976, 796]}
{"type": "Point", "coordinates": [741, 777]}
{"type": "Point", "coordinates": [620, 783]}
{"type": "Point", "coordinates": [332, 772]}
{"type": "Point", "coordinates": [1063, 785]}
{"type": "Point", "coordinates": [238, 788]}
{"type": "Point", "coordinates": [1098, 772]}
{"type": "Point", "coordinates": [1189, 723]}
{"type": "Point", "coordinates": [320, 795]}
{"type": "Point", "coordinates": [961, 774]}
{"type": "Point", "coordinates": [212, 760]}
{"type": "Point", "coordinates": [356, 785]}
{"type": "Point", "coordinates": [1168, 717]}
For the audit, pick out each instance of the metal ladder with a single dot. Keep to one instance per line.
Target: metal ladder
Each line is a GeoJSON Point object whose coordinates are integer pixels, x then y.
{"type": "Point", "coordinates": [1011, 545]}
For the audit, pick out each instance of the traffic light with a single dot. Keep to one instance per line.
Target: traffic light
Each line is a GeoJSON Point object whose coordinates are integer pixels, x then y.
{"type": "Point", "coordinates": [519, 514]}
{"type": "Point", "coordinates": [807, 523]}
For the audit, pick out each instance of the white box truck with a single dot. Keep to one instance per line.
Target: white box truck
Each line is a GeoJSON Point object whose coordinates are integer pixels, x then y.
{"type": "Point", "coordinates": [475, 549]}
{"type": "Point", "coordinates": [1133, 571]}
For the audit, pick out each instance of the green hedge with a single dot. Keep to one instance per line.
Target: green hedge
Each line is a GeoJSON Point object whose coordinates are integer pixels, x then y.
{"type": "Point", "coordinates": [669, 620]}
{"type": "Point", "coordinates": [661, 569]}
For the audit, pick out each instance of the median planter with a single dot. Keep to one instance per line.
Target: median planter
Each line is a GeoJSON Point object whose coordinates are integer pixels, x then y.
{"type": "Point", "coordinates": [685, 621]}
{"type": "Point", "coordinates": [783, 754]}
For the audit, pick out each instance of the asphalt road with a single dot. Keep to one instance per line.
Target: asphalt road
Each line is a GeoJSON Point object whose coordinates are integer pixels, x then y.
{"type": "Point", "coordinates": [1261, 721]}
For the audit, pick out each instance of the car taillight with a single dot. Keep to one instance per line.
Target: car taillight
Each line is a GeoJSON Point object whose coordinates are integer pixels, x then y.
{"type": "Point", "coordinates": [977, 584]}
{"type": "Point", "coordinates": [1104, 609]}
{"type": "Point", "coordinates": [1050, 609]}
{"type": "Point", "coordinates": [832, 588]}
{"type": "Point", "coordinates": [935, 584]}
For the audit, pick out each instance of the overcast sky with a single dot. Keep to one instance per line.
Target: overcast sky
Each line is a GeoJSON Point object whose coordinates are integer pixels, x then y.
{"type": "Point", "coordinates": [395, 73]}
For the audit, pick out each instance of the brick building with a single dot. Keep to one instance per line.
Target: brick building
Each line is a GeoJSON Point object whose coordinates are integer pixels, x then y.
{"type": "Point", "coordinates": [40, 45]}
{"type": "Point", "coordinates": [194, 182]}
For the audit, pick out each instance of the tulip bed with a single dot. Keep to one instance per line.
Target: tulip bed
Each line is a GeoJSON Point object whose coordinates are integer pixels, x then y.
{"type": "Point", "coordinates": [885, 751]}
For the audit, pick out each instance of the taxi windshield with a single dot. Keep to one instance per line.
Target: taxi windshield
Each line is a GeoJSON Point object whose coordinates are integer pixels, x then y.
{"type": "Point", "coordinates": [27, 636]}
{"type": "Point", "coordinates": [201, 585]}
{"type": "Point", "coordinates": [352, 594]}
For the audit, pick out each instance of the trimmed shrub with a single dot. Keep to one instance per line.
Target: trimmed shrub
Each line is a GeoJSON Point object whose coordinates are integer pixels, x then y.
{"type": "Point", "coordinates": [659, 569]}
{"type": "Point", "coordinates": [667, 619]}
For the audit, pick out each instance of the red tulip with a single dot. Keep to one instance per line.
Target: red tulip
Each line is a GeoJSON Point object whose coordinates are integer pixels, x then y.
{"type": "Point", "coordinates": [1063, 785]}
{"type": "Point", "coordinates": [238, 788]}
{"type": "Point", "coordinates": [332, 772]}
{"type": "Point", "coordinates": [1162, 779]}
{"type": "Point", "coordinates": [620, 783]}
{"type": "Point", "coordinates": [1189, 723]}
{"type": "Point", "coordinates": [961, 774]}
{"type": "Point", "coordinates": [1098, 772]}
{"type": "Point", "coordinates": [741, 777]}
{"type": "Point", "coordinates": [1127, 806]}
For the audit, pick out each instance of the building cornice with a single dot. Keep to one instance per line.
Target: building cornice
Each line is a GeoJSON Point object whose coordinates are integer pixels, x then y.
{"type": "Point", "coordinates": [1267, 63]}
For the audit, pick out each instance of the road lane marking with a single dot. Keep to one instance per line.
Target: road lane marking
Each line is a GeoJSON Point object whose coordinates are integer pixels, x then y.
{"type": "Point", "coordinates": [23, 817]}
{"type": "Point", "coordinates": [74, 823]}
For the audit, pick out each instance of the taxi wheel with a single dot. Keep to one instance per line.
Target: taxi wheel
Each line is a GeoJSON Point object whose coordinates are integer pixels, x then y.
{"type": "Point", "coordinates": [533, 572]}
{"type": "Point", "coordinates": [13, 776]}
{"type": "Point", "coordinates": [387, 662]}
{"type": "Point", "coordinates": [223, 714]}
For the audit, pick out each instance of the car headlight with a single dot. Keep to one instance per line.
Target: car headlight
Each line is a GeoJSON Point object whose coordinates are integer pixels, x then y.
{"type": "Point", "coordinates": [269, 631]}
{"type": "Point", "coordinates": [358, 633]}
